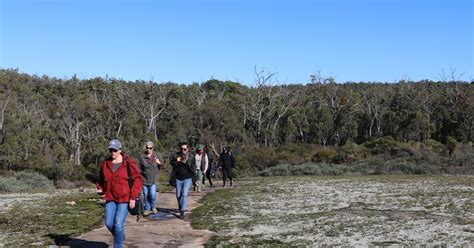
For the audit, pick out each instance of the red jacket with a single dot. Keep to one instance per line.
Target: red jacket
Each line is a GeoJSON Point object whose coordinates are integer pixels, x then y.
{"type": "Point", "coordinates": [115, 185]}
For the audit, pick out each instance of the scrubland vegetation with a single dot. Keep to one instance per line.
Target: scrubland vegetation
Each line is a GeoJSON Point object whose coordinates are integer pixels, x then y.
{"type": "Point", "coordinates": [59, 128]}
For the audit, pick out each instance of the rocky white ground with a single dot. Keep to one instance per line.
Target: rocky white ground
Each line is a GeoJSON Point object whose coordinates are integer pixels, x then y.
{"type": "Point", "coordinates": [354, 211]}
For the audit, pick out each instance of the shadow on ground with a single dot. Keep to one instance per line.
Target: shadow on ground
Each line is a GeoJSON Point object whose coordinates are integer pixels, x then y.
{"type": "Point", "coordinates": [62, 240]}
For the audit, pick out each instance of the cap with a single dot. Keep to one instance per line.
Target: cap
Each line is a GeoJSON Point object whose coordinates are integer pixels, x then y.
{"type": "Point", "coordinates": [115, 144]}
{"type": "Point", "coordinates": [200, 147]}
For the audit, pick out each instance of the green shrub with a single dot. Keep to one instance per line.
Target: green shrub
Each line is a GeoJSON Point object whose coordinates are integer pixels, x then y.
{"type": "Point", "coordinates": [434, 147]}
{"type": "Point", "coordinates": [352, 151]}
{"type": "Point", "coordinates": [324, 155]}
{"type": "Point", "coordinates": [388, 145]}
{"type": "Point", "coordinates": [401, 166]}
{"type": "Point", "coordinates": [295, 153]}
{"type": "Point", "coordinates": [451, 144]}
{"type": "Point", "coordinates": [304, 169]}
{"type": "Point", "coordinates": [258, 158]}
{"type": "Point", "coordinates": [65, 171]}
{"type": "Point", "coordinates": [10, 184]}
{"type": "Point", "coordinates": [25, 180]}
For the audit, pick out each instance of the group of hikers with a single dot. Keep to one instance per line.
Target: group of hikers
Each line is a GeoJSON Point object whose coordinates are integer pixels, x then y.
{"type": "Point", "coordinates": [122, 180]}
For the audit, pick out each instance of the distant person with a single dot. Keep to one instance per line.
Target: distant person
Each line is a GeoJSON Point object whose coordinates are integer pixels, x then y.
{"type": "Point", "coordinates": [201, 164]}
{"type": "Point", "coordinates": [149, 163]}
{"type": "Point", "coordinates": [117, 193]}
{"type": "Point", "coordinates": [182, 162]}
{"type": "Point", "coordinates": [226, 163]}
{"type": "Point", "coordinates": [209, 170]}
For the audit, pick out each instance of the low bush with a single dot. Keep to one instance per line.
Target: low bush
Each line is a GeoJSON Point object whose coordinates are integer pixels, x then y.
{"type": "Point", "coordinates": [361, 167]}
{"type": "Point", "coordinates": [24, 181]}
{"type": "Point", "coordinates": [352, 151]}
{"type": "Point", "coordinates": [65, 171]}
{"type": "Point", "coordinates": [304, 169]}
{"type": "Point", "coordinates": [326, 155]}
{"type": "Point", "coordinates": [10, 184]}
{"type": "Point", "coordinates": [401, 166]}
{"type": "Point", "coordinates": [389, 146]}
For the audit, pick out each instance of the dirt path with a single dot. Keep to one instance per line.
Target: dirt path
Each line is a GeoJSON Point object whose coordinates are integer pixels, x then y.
{"type": "Point", "coordinates": [164, 229]}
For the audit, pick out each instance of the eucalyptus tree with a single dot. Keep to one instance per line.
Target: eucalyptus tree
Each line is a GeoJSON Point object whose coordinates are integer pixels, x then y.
{"type": "Point", "coordinates": [76, 111]}
{"type": "Point", "coordinates": [373, 107]}
{"type": "Point", "coordinates": [288, 97]}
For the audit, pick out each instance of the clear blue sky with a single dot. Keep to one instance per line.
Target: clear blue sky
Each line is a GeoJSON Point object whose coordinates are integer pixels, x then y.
{"type": "Point", "coordinates": [186, 41]}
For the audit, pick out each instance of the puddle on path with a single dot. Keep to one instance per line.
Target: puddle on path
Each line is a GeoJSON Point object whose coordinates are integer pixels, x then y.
{"type": "Point", "coordinates": [161, 216]}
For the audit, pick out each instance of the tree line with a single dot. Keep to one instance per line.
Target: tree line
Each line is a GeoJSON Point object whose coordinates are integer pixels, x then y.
{"type": "Point", "coordinates": [60, 127]}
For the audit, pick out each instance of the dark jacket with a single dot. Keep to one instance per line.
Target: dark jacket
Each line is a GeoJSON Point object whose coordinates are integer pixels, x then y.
{"type": "Point", "coordinates": [115, 185]}
{"type": "Point", "coordinates": [226, 160]}
{"type": "Point", "coordinates": [183, 170]}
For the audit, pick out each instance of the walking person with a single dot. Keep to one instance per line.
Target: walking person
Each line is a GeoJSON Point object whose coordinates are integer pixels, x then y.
{"type": "Point", "coordinates": [149, 163]}
{"type": "Point", "coordinates": [209, 170]}
{"type": "Point", "coordinates": [182, 162]}
{"type": "Point", "coordinates": [226, 163]}
{"type": "Point", "coordinates": [117, 192]}
{"type": "Point", "coordinates": [201, 166]}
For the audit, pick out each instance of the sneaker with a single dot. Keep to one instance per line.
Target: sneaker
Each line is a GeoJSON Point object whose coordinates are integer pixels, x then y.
{"type": "Point", "coordinates": [155, 211]}
{"type": "Point", "coordinates": [146, 213]}
{"type": "Point", "coordinates": [181, 215]}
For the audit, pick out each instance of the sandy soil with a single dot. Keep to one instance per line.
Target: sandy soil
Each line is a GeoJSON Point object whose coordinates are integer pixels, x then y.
{"type": "Point", "coordinates": [164, 229]}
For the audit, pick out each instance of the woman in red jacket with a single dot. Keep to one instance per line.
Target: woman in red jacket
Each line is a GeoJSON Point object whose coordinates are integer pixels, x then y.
{"type": "Point", "coordinates": [118, 194]}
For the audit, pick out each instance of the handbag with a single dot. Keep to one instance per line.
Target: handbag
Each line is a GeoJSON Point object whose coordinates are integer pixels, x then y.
{"type": "Point", "coordinates": [137, 210]}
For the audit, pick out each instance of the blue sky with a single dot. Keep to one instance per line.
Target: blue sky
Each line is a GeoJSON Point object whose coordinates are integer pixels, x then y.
{"type": "Point", "coordinates": [186, 41]}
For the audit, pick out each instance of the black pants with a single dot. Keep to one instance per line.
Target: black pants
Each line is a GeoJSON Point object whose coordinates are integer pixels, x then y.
{"type": "Point", "coordinates": [208, 175]}
{"type": "Point", "coordinates": [227, 173]}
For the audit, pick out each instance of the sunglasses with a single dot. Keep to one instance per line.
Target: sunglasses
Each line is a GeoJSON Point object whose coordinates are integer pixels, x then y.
{"type": "Point", "coordinates": [184, 149]}
{"type": "Point", "coordinates": [113, 150]}
{"type": "Point", "coordinates": [149, 148]}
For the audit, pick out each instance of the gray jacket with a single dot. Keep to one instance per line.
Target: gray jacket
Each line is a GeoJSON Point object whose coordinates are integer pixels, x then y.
{"type": "Point", "coordinates": [149, 168]}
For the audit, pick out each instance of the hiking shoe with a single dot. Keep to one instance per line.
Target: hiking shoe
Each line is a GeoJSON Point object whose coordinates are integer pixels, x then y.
{"type": "Point", "coordinates": [181, 215]}
{"type": "Point", "coordinates": [155, 211]}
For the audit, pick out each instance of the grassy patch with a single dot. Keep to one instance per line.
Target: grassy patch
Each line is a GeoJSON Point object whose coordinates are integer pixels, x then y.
{"type": "Point", "coordinates": [54, 220]}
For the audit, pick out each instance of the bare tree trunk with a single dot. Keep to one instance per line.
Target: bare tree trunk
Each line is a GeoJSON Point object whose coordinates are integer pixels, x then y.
{"type": "Point", "coordinates": [3, 106]}
{"type": "Point", "coordinates": [119, 129]}
{"type": "Point", "coordinates": [214, 150]}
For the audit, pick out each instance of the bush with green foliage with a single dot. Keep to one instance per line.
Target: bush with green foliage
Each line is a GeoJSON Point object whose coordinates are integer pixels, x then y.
{"type": "Point", "coordinates": [387, 145]}
{"type": "Point", "coordinates": [304, 169]}
{"type": "Point", "coordinates": [25, 181]}
{"type": "Point", "coordinates": [326, 155]}
{"type": "Point", "coordinates": [65, 170]}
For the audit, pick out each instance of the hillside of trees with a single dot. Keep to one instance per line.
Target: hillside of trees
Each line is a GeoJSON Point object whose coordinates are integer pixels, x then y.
{"type": "Point", "coordinates": [61, 127]}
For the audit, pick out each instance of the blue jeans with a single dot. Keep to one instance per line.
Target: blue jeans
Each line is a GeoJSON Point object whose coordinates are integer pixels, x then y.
{"type": "Point", "coordinates": [182, 190]}
{"type": "Point", "coordinates": [149, 195]}
{"type": "Point", "coordinates": [115, 214]}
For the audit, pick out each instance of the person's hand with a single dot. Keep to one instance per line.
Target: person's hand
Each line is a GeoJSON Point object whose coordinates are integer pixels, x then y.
{"type": "Point", "coordinates": [100, 192]}
{"type": "Point", "coordinates": [131, 204]}
{"type": "Point", "coordinates": [178, 159]}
